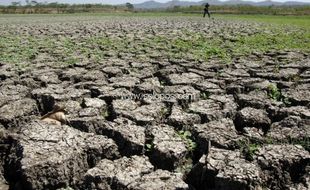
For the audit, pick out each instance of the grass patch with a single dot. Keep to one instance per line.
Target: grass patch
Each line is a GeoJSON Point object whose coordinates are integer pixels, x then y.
{"type": "Point", "coordinates": [187, 137]}
{"type": "Point", "coordinates": [301, 21]}
{"type": "Point", "coordinates": [16, 49]}
{"type": "Point", "coordinates": [248, 149]}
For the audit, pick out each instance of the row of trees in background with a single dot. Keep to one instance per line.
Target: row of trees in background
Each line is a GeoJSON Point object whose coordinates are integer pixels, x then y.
{"type": "Point", "coordinates": [246, 9]}
{"type": "Point", "coordinates": [36, 7]}
{"type": "Point", "coordinates": [32, 7]}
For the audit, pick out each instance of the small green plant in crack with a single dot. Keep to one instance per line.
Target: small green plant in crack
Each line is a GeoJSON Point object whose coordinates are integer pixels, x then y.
{"type": "Point", "coordinates": [270, 140]}
{"type": "Point", "coordinates": [149, 147]}
{"type": "Point", "coordinates": [218, 73]}
{"type": "Point", "coordinates": [276, 69]}
{"type": "Point", "coordinates": [187, 137]}
{"type": "Point", "coordinates": [205, 95]}
{"type": "Point", "coordinates": [251, 150]}
{"type": "Point", "coordinates": [163, 83]}
{"type": "Point", "coordinates": [70, 60]}
{"type": "Point", "coordinates": [274, 93]}
{"type": "Point", "coordinates": [295, 78]}
{"type": "Point", "coordinates": [304, 142]}
{"type": "Point", "coordinates": [163, 112]}
{"type": "Point", "coordinates": [185, 167]}
{"type": "Point", "coordinates": [248, 149]}
{"type": "Point", "coordinates": [287, 101]}
{"type": "Point", "coordinates": [105, 113]}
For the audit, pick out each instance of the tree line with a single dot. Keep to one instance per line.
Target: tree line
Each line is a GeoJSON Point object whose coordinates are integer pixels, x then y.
{"type": "Point", "coordinates": [36, 7]}
{"type": "Point", "coordinates": [33, 7]}
{"type": "Point", "coordinates": [246, 9]}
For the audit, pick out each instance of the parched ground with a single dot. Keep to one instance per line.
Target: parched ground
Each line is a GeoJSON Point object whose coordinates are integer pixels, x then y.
{"type": "Point", "coordinates": [153, 103]}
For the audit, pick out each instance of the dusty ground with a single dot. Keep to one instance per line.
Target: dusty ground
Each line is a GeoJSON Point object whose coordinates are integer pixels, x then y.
{"type": "Point", "coordinates": [147, 110]}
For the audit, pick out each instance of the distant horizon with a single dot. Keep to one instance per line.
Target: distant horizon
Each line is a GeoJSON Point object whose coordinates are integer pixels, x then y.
{"type": "Point", "coordinates": [116, 2]}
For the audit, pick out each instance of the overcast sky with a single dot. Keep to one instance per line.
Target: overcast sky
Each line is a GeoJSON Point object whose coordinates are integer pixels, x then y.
{"type": "Point", "coordinates": [7, 2]}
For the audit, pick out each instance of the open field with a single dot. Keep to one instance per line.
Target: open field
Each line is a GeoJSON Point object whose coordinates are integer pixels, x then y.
{"type": "Point", "coordinates": [301, 21]}
{"type": "Point", "coordinates": [155, 101]}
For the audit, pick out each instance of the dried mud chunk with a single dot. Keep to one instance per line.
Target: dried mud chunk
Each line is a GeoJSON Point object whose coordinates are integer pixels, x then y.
{"type": "Point", "coordinates": [255, 100]}
{"type": "Point", "coordinates": [205, 74]}
{"type": "Point", "coordinates": [17, 109]}
{"type": "Point", "coordinates": [124, 82]}
{"type": "Point", "coordinates": [93, 107]}
{"type": "Point", "coordinates": [207, 109]}
{"type": "Point", "coordinates": [75, 74]}
{"type": "Point", "coordinates": [109, 93]}
{"type": "Point", "coordinates": [253, 134]}
{"type": "Point", "coordinates": [237, 73]}
{"type": "Point", "coordinates": [284, 166]}
{"type": "Point", "coordinates": [208, 87]}
{"type": "Point", "coordinates": [251, 117]}
{"type": "Point", "coordinates": [277, 74]}
{"type": "Point", "coordinates": [170, 69]}
{"type": "Point", "coordinates": [261, 85]}
{"type": "Point", "coordinates": [72, 108]}
{"type": "Point", "coordinates": [150, 113]}
{"type": "Point", "coordinates": [4, 147]}
{"type": "Point", "coordinates": [150, 85]}
{"type": "Point", "coordinates": [94, 75]}
{"type": "Point", "coordinates": [47, 97]}
{"type": "Point", "coordinates": [225, 169]}
{"type": "Point", "coordinates": [184, 78]}
{"type": "Point", "coordinates": [113, 71]}
{"type": "Point", "coordinates": [158, 180]}
{"type": "Point", "coordinates": [221, 133]}
{"type": "Point", "coordinates": [298, 96]}
{"type": "Point", "coordinates": [52, 156]}
{"type": "Point", "coordinates": [6, 74]}
{"type": "Point", "coordinates": [49, 77]}
{"type": "Point", "coordinates": [305, 74]}
{"type": "Point", "coordinates": [292, 129]}
{"type": "Point", "coordinates": [300, 111]}
{"type": "Point", "coordinates": [123, 106]}
{"type": "Point", "coordinates": [180, 92]}
{"type": "Point", "coordinates": [89, 112]}
{"type": "Point", "coordinates": [288, 73]}
{"type": "Point", "coordinates": [129, 137]}
{"type": "Point", "coordinates": [117, 174]}
{"type": "Point", "coordinates": [214, 108]}
{"type": "Point", "coordinates": [180, 118]}
{"type": "Point", "coordinates": [4, 185]}
{"type": "Point", "coordinates": [229, 107]}
{"type": "Point", "coordinates": [232, 171]}
{"type": "Point", "coordinates": [12, 93]}
{"type": "Point", "coordinates": [142, 72]}
{"type": "Point", "coordinates": [168, 150]}
{"type": "Point", "coordinates": [142, 114]}
{"type": "Point", "coordinates": [94, 103]}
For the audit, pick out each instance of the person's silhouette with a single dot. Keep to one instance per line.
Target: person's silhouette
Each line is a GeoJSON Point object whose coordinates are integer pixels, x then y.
{"type": "Point", "coordinates": [206, 10]}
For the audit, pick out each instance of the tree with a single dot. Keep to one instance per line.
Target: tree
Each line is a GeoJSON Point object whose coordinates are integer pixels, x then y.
{"type": "Point", "coordinates": [34, 3]}
{"type": "Point", "coordinates": [16, 3]}
{"type": "Point", "coordinates": [129, 6]}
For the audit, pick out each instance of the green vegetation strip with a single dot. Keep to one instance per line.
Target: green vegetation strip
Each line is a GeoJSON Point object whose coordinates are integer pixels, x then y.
{"type": "Point", "coordinates": [300, 21]}
{"type": "Point", "coordinates": [15, 49]}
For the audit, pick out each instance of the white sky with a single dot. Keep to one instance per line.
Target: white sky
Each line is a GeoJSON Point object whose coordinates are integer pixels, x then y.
{"type": "Point", "coordinates": [7, 2]}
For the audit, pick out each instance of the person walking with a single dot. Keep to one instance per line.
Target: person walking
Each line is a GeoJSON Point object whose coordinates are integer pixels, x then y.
{"type": "Point", "coordinates": [206, 10]}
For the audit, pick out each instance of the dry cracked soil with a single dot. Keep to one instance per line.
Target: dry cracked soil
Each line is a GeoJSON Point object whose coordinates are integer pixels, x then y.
{"type": "Point", "coordinates": [140, 118]}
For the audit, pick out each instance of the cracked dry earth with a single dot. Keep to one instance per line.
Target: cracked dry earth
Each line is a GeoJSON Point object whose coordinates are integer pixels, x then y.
{"type": "Point", "coordinates": [222, 129]}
